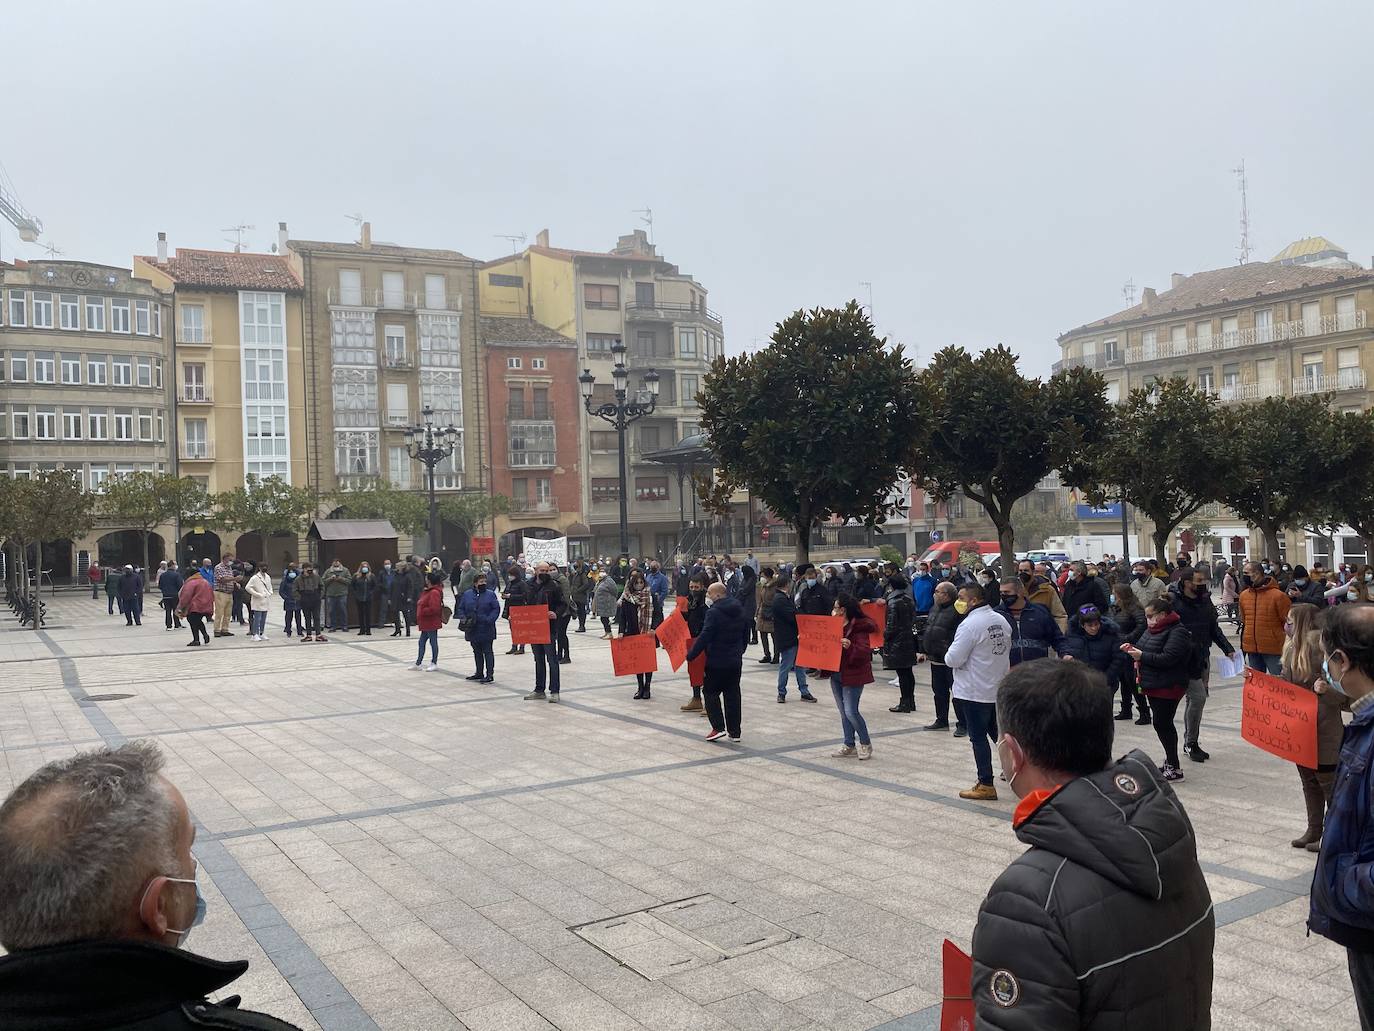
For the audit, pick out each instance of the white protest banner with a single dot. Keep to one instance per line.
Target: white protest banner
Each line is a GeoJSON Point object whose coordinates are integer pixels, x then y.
{"type": "Point", "coordinates": [554, 550]}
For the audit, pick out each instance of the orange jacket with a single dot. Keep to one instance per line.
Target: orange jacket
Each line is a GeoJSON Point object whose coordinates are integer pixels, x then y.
{"type": "Point", "coordinates": [1263, 610]}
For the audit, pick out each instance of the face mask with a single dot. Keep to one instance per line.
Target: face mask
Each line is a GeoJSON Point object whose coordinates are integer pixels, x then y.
{"type": "Point", "coordinates": [387, 567]}
{"type": "Point", "coordinates": [1140, 574]}
{"type": "Point", "coordinates": [710, 601]}
{"type": "Point", "coordinates": [1010, 781]}
{"type": "Point", "coordinates": [544, 578]}
{"type": "Point", "coordinates": [1008, 599]}
{"type": "Point", "coordinates": [480, 587]}
{"type": "Point", "coordinates": [1369, 578]}
{"type": "Point", "coordinates": [1332, 680]}
{"type": "Point", "coordinates": [810, 581]}
{"type": "Point", "coordinates": [961, 607]}
{"type": "Point", "coordinates": [1026, 578]}
{"type": "Point", "coordinates": [365, 569]}
{"type": "Point", "coordinates": [1352, 595]}
{"type": "Point", "coordinates": [199, 917]}
{"type": "Point", "coordinates": [1301, 582]}
{"type": "Point", "coordinates": [529, 578]}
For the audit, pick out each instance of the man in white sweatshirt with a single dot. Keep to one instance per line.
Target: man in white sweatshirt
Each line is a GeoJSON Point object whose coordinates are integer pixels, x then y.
{"type": "Point", "coordinates": [980, 657]}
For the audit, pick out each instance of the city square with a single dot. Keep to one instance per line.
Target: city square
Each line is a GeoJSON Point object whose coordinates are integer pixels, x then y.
{"type": "Point", "coordinates": [399, 850]}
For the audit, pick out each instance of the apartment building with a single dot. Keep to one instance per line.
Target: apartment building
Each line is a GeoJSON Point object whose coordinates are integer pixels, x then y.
{"type": "Point", "coordinates": [1301, 324]}
{"type": "Point", "coordinates": [386, 336]}
{"type": "Point", "coordinates": [632, 294]}
{"type": "Point", "coordinates": [84, 358]}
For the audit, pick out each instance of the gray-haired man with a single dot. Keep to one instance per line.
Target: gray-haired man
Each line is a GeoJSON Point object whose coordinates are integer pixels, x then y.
{"type": "Point", "coordinates": [99, 897]}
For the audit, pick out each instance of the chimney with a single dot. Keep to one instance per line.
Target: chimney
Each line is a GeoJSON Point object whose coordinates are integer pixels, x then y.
{"type": "Point", "coordinates": [281, 237]}
{"type": "Point", "coordinates": [541, 239]}
{"type": "Point", "coordinates": [365, 240]}
{"type": "Point", "coordinates": [1176, 280]}
{"type": "Point", "coordinates": [162, 248]}
{"type": "Point", "coordinates": [1148, 298]}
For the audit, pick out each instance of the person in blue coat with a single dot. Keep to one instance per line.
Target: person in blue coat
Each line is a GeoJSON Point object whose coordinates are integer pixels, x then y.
{"type": "Point", "coordinates": [130, 596]}
{"type": "Point", "coordinates": [478, 610]}
{"type": "Point", "coordinates": [923, 589]}
{"type": "Point", "coordinates": [290, 606]}
{"type": "Point", "coordinates": [1034, 632]}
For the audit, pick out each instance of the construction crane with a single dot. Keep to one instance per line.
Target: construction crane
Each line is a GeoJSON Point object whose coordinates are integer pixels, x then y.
{"type": "Point", "coordinates": [14, 212]}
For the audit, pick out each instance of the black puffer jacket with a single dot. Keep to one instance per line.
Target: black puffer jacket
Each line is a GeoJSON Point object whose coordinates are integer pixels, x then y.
{"type": "Point", "coordinates": [1099, 927]}
{"type": "Point", "coordinates": [1166, 659]}
{"type": "Point", "coordinates": [899, 640]}
{"type": "Point", "coordinates": [939, 635]}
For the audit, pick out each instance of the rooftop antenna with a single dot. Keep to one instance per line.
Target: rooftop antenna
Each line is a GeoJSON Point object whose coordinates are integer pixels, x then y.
{"type": "Point", "coordinates": [1244, 213]}
{"type": "Point", "coordinates": [1128, 292]}
{"type": "Point", "coordinates": [52, 249]}
{"type": "Point", "coordinates": [869, 287]}
{"type": "Point", "coordinates": [357, 220]}
{"type": "Point", "coordinates": [517, 240]}
{"type": "Point", "coordinates": [238, 232]}
{"type": "Point", "coordinates": [646, 215]}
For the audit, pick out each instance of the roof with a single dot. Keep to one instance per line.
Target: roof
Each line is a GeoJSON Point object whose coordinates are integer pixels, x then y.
{"type": "Point", "coordinates": [391, 250]}
{"type": "Point", "coordinates": [690, 450]}
{"type": "Point", "coordinates": [568, 254]}
{"type": "Point", "coordinates": [226, 270]}
{"type": "Point", "coordinates": [351, 530]}
{"type": "Point", "coordinates": [1307, 247]}
{"type": "Point", "coordinates": [1229, 286]}
{"type": "Point", "coordinates": [500, 330]}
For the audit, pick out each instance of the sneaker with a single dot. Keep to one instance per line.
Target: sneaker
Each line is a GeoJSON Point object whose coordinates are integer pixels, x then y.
{"type": "Point", "coordinates": [937, 725]}
{"type": "Point", "coordinates": [475, 676]}
{"type": "Point", "coordinates": [535, 696]}
{"type": "Point", "coordinates": [844, 752]}
{"type": "Point", "coordinates": [194, 644]}
{"type": "Point", "coordinates": [415, 668]}
{"type": "Point", "coordinates": [321, 638]}
{"type": "Point", "coordinates": [553, 696]}
{"type": "Point", "coordinates": [960, 731]}
{"type": "Point", "coordinates": [980, 793]}
{"type": "Point", "coordinates": [715, 735]}
{"type": "Point", "coordinates": [486, 680]}
{"type": "Point", "coordinates": [865, 752]}
{"type": "Point", "coordinates": [430, 667]}
{"type": "Point", "coordinates": [564, 662]}
{"type": "Point", "coordinates": [782, 699]}
{"type": "Point", "coordinates": [693, 705]}
{"type": "Point", "coordinates": [1143, 720]}
{"type": "Point", "coordinates": [894, 682]}
{"type": "Point", "coordinates": [1171, 773]}
{"type": "Point", "coordinates": [1122, 715]}
{"type": "Point", "coordinates": [734, 740]}
{"type": "Point", "coordinates": [1196, 753]}
{"type": "Point", "coordinates": [806, 697]}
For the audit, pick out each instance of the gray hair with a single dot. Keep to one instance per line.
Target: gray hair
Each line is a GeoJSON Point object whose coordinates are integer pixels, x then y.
{"type": "Point", "coordinates": [78, 839]}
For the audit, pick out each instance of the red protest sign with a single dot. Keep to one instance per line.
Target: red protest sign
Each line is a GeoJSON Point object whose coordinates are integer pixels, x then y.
{"type": "Point", "coordinates": [682, 603]}
{"type": "Point", "coordinates": [484, 545]}
{"type": "Point", "coordinates": [636, 653]}
{"type": "Point", "coordinates": [672, 634]}
{"type": "Point", "coordinates": [529, 624]}
{"type": "Point", "coordinates": [876, 611]}
{"type": "Point", "coordinates": [818, 641]}
{"type": "Point", "coordinates": [1279, 717]}
{"type": "Point", "coordinates": [957, 1011]}
{"type": "Point", "coordinates": [696, 669]}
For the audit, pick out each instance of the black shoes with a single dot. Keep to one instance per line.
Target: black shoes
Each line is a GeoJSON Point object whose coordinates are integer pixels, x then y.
{"type": "Point", "coordinates": [1195, 753]}
{"type": "Point", "coordinates": [1123, 715]}
{"type": "Point", "coordinates": [808, 698]}
{"type": "Point", "coordinates": [960, 731]}
{"type": "Point", "coordinates": [766, 659]}
{"type": "Point", "coordinates": [475, 676]}
{"type": "Point", "coordinates": [899, 707]}
{"type": "Point", "coordinates": [1143, 720]}
{"type": "Point", "coordinates": [937, 725]}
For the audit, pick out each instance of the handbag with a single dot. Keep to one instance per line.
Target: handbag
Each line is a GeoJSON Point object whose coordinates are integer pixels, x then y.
{"type": "Point", "coordinates": [445, 614]}
{"type": "Point", "coordinates": [467, 624]}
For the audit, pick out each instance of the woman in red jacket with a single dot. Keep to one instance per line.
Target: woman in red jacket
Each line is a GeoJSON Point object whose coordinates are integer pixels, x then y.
{"type": "Point", "coordinates": [856, 673]}
{"type": "Point", "coordinates": [197, 600]}
{"type": "Point", "coordinates": [429, 617]}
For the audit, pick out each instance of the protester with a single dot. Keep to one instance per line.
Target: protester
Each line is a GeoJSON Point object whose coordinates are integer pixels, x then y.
{"type": "Point", "coordinates": [336, 583]}
{"type": "Point", "coordinates": [945, 616]}
{"type": "Point", "coordinates": [1304, 588]}
{"type": "Point", "coordinates": [723, 639]}
{"type": "Point", "coordinates": [197, 600]}
{"type": "Point", "coordinates": [259, 590]}
{"type": "Point", "coordinates": [1302, 665]}
{"type": "Point", "coordinates": [1095, 640]}
{"type": "Point", "coordinates": [1164, 654]}
{"type": "Point", "coordinates": [580, 584]}
{"type": "Point", "coordinates": [634, 615]}
{"type": "Point", "coordinates": [1263, 609]}
{"type": "Point", "coordinates": [561, 646]}
{"type": "Point", "coordinates": [170, 582]}
{"type": "Point", "coordinates": [286, 591]}
{"type": "Point", "coordinates": [1193, 603]}
{"type": "Point", "coordinates": [695, 617]}
{"type": "Point", "coordinates": [1145, 586]}
{"type": "Point", "coordinates": [478, 611]}
{"type": "Point", "coordinates": [1106, 921]}
{"type": "Point", "coordinates": [545, 591]}
{"type": "Point", "coordinates": [979, 657]}
{"type": "Point", "coordinates": [363, 588]}
{"type": "Point", "coordinates": [855, 673]}
{"type": "Point", "coordinates": [763, 620]}
{"type": "Point", "coordinates": [411, 586]}
{"type": "Point", "coordinates": [1082, 589]}
{"type": "Point", "coordinates": [785, 640]}
{"type": "Point", "coordinates": [388, 598]}
{"type": "Point", "coordinates": [1034, 631]}
{"type": "Point", "coordinates": [1130, 620]}
{"type": "Point", "coordinates": [520, 585]}
{"type": "Point", "coordinates": [309, 590]}
{"type": "Point", "coordinates": [101, 895]}
{"type": "Point", "coordinates": [813, 597]}
{"type": "Point", "coordinates": [112, 577]}
{"type": "Point", "coordinates": [604, 601]}
{"type": "Point", "coordinates": [95, 576]}
{"type": "Point", "coordinates": [429, 617]}
{"type": "Point", "coordinates": [899, 640]}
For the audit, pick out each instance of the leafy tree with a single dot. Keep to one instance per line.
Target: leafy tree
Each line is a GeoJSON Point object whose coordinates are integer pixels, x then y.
{"type": "Point", "coordinates": [1350, 494]}
{"type": "Point", "coordinates": [992, 434]}
{"type": "Point", "coordinates": [1287, 456]}
{"type": "Point", "coordinates": [264, 507]}
{"type": "Point", "coordinates": [50, 506]}
{"type": "Point", "coordinates": [1033, 525]}
{"type": "Point", "coordinates": [470, 509]}
{"type": "Point", "coordinates": [815, 425]}
{"type": "Point", "coordinates": [1165, 452]}
{"type": "Point", "coordinates": [144, 501]}
{"type": "Point", "coordinates": [375, 498]}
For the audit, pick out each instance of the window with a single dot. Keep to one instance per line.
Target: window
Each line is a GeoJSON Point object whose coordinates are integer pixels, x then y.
{"type": "Point", "coordinates": [71, 425]}
{"type": "Point", "coordinates": [498, 279]}
{"type": "Point", "coordinates": [1264, 325]}
{"type": "Point", "coordinates": [19, 368]}
{"type": "Point", "coordinates": [1147, 345]}
{"type": "Point", "coordinates": [353, 336]}
{"type": "Point", "coordinates": [605, 488]}
{"type": "Point", "coordinates": [195, 443]}
{"type": "Point", "coordinates": [687, 342]}
{"type": "Point", "coordinates": [355, 397]}
{"type": "Point", "coordinates": [100, 474]}
{"type": "Point", "coordinates": [1345, 313]}
{"type": "Point", "coordinates": [601, 295]}
{"type": "Point", "coordinates": [435, 291]}
{"type": "Point", "coordinates": [395, 346]}
{"type": "Point", "coordinates": [71, 368]}
{"type": "Point", "coordinates": [690, 387]}
{"type": "Point", "coordinates": [1264, 371]}
{"type": "Point", "coordinates": [69, 311]}
{"type": "Point", "coordinates": [604, 440]}
{"type": "Point", "coordinates": [1203, 332]}
{"type": "Point", "coordinates": [442, 390]}
{"type": "Point", "coordinates": [690, 429]}
{"type": "Point", "coordinates": [1312, 365]}
{"type": "Point", "coordinates": [520, 493]}
{"type": "Point", "coordinates": [95, 314]}
{"type": "Point", "coordinates": [98, 426]}
{"type": "Point", "coordinates": [1230, 331]}
{"type": "Point", "coordinates": [97, 368]}
{"type": "Point", "coordinates": [160, 428]}
{"type": "Point", "coordinates": [119, 316]}
{"type": "Point", "coordinates": [543, 491]}
{"type": "Point", "coordinates": [448, 474]}
{"type": "Point", "coordinates": [143, 320]}
{"type": "Point", "coordinates": [42, 310]}
{"type": "Point", "coordinates": [531, 445]}
{"type": "Point", "coordinates": [123, 424]}
{"type": "Point", "coordinates": [538, 363]}
{"type": "Point", "coordinates": [393, 290]}
{"type": "Point", "coordinates": [193, 323]}
{"type": "Point", "coordinates": [20, 424]}
{"type": "Point", "coordinates": [438, 339]}
{"type": "Point", "coordinates": [644, 295]}
{"type": "Point", "coordinates": [539, 403]}
{"type": "Point", "coordinates": [350, 286]}
{"type": "Point", "coordinates": [145, 426]}
{"type": "Point", "coordinates": [1178, 340]}
{"type": "Point", "coordinates": [1349, 374]}
{"type": "Point", "coordinates": [44, 367]}
{"type": "Point", "coordinates": [397, 404]}
{"type": "Point", "coordinates": [1230, 374]}
{"type": "Point", "coordinates": [649, 438]}
{"type": "Point", "coordinates": [651, 488]}
{"type": "Point", "coordinates": [123, 372]}
{"type": "Point", "coordinates": [513, 363]}
{"type": "Point", "coordinates": [649, 344]}
{"type": "Point", "coordinates": [1311, 318]}
{"type": "Point", "coordinates": [262, 341]}
{"type": "Point", "coordinates": [45, 424]}
{"type": "Point", "coordinates": [157, 319]}
{"type": "Point", "coordinates": [145, 372]}
{"type": "Point", "coordinates": [398, 466]}
{"type": "Point", "coordinates": [157, 373]}
{"type": "Point", "coordinates": [1204, 380]}
{"type": "Point", "coordinates": [19, 308]}
{"type": "Point", "coordinates": [600, 343]}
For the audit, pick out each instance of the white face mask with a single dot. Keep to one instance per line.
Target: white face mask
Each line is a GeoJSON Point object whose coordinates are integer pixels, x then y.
{"type": "Point", "coordinates": [710, 601]}
{"type": "Point", "coordinates": [199, 917]}
{"type": "Point", "coordinates": [1010, 781]}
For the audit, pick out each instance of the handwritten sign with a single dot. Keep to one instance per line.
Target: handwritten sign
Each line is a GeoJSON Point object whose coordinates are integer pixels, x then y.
{"type": "Point", "coordinates": [957, 1011]}
{"type": "Point", "coordinates": [636, 653]}
{"type": "Point", "coordinates": [1279, 717]}
{"type": "Point", "coordinates": [696, 669]}
{"type": "Point", "coordinates": [672, 634]}
{"type": "Point", "coordinates": [529, 624]}
{"type": "Point", "coordinates": [818, 641]}
{"type": "Point", "coordinates": [876, 611]}
{"type": "Point", "coordinates": [554, 550]}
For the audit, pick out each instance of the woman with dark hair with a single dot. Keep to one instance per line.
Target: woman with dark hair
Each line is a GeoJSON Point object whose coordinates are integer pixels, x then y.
{"type": "Point", "coordinates": [763, 621]}
{"type": "Point", "coordinates": [748, 599]}
{"type": "Point", "coordinates": [899, 640]}
{"type": "Point", "coordinates": [635, 615]}
{"type": "Point", "coordinates": [855, 673]}
{"type": "Point", "coordinates": [866, 585]}
{"type": "Point", "coordinates": [1302, 665]}
{"type": "Point", "coordinates": [1164, 652]}
{"type": "Point", "coordinates": [695, 615]}
{"type": "Point", "coordinates": [1130, 621]}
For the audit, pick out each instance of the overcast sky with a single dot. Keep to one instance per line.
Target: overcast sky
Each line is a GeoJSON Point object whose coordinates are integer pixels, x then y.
{"type": "Point", "coordinates": [997, 171]}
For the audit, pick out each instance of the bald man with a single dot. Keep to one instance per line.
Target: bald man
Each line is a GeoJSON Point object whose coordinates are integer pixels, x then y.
{"type": "Point", "coordinates": [723, 638]}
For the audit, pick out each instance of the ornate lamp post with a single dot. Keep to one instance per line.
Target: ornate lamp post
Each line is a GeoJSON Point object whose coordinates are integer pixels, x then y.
{"type": "Point", "coordinates": [431, 444]}
{"type": "Point", "coordinates": [620, 413]}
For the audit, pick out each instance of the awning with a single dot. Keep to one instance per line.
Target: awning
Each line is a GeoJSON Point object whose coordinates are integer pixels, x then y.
{"type": "Point", "coordinates": [352, 530]}
{"type": "Point", "coordinates": [579, 530]}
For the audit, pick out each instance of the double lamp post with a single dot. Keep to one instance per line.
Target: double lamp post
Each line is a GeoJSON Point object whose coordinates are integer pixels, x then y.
{"type": "Point", "coordinates": [430, 445]}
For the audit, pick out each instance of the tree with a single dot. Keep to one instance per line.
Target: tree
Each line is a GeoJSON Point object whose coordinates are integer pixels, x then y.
{"type": "Point", "coordinates": [264, 507]}
{"type": "Point", "coordinates": [1165, 452]}
{"type": "Point", "coordinates": [1350, 495]}
{"type": "Point", "coordinates": [814, 425]}
{"type": "Point", "coordinates": [991, 434]}
{"type": "Point", "coordinates": [1033, 525]}
{"type": "Point", "coordinates": [469, 510]}
{"type": "Point", "coordinates": [375, 498]}
{"type": "Point", "coordinates": [48, 506]}
{"type": "Point", "coordinates": [1286, 458]}
{"type": "Point", "coordinates": [143, 501]}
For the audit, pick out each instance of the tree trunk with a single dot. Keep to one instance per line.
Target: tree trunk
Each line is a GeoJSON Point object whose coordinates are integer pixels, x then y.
{"type": "Point", "coordinates": [1006, 539]}
{"type": "Point", "coordinates": [1161, 539]}
{"type": "Point", "coordinates": [803, 541]}
{"type": "Point", "coordinates": [1271, 543]}
{"type": "Point", "coordinates": [145, 559]}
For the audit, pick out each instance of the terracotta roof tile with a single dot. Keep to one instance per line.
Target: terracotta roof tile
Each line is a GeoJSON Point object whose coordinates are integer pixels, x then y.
{"type": "Point", "coordinates": [225, 270]}
{"type": "Point", "coordinates": [499, 330]}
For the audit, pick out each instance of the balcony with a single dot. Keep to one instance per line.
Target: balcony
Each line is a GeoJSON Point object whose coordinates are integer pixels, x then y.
{"type": "Point", "coordinates": [416, 300]}
{"type": "Point", "coordinates": [1256, 391]}
{"type": "Point", "coordinates": [197, 451]}
{"type": "Point", "coordinates": [1297, 329]}
{"type": "Point", "coordinates": [193, 336]}
{"type": "Point", "coordinates": [195, 394]}
{"type": "Point", "coordinates": [1097, 360]}
{"type": "Point", "coordinates": [398, 361]}
{"type": "Point", "coordinates": [668, 311]}
{"type": "Point", "coordinates": [397, 420]}
{"type": "Point", "coordinates": [356, 481]}
{"type": "Point", "coordinates": [1329, 383]}
{"type": "Point", "coordinates": [534, 412]}
{"type": "Point", "coordinates": [353, 298]}
{"type": "Point", "coordinates": [536, 506]}
{"type": "Point", "coordinates": [532, 459]}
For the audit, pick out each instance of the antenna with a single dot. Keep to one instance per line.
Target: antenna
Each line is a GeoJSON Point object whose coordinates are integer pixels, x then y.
{"type": "Point", "coordinates": [646, 215]}
{"type": "Point", "coordinates": [1128, 292]}
{"type": "Point", "coordinates": [356, 219]}
{"type": "Point", "coordinates": [238, 232]}
{"type": "Point", "coordinates": [1244, 213]}
{"type": "Point", "coordinates": [517, 240]}
{"type": "Point", "coordinates": [52, 249]}
{"type": "Point", "coordinates": [869, 287]}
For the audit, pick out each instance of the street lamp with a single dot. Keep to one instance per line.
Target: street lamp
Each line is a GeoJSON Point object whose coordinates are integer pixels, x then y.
{"type": "Point", "coordinates": [431, 444]}
{"type": "Point", "coordinates": [620, 413]}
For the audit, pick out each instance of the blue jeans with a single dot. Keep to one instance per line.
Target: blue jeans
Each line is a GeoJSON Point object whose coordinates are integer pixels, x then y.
{"type": "Point", "coordinates": [787, 663]}
{"type": "Point", "coordinates": [484, 657]}
{"type": "Point", "coordinates": [545, 656]}
{"type": "Point", "coordinates": [981, 718]}
{"type": "Point", "coordinates": [432, 636]}
{"type": "Point", "coordinates": [337, 613]}
{"type": "Point", "coordinates": [257, 622]}
{"type": "Point", "coordinates": [847, 701]}
{"type": "Point", "coordinates": [1264, 663]}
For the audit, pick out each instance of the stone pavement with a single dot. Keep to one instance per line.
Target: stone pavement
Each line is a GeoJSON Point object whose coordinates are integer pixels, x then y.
{"type": "Point", "coordinates": [398, 850]}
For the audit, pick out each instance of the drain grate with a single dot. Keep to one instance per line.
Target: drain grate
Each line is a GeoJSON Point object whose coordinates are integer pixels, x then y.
{"type": "Point", "coordinates": [105, 698]}
{"type": "Point", "coordinates": [683, 935]}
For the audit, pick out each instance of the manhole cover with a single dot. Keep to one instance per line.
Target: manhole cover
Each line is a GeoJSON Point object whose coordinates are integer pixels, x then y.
{"type": "Point", "coordinates": [105, 697]}
{"type": "Point", "coordinates": [683, 935]}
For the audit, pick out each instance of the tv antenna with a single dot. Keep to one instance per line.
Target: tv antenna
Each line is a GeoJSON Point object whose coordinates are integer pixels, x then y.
{"type": "Point", "coordinates": [869, 287]}
{"type": "Point", "coordinates": [238, 232]}
{"type": "Point", "coordinates": [1128, 292]}
{"type": "Point", "coordinates": [52, 249]}
{"type": "Point", "coordinates": [1244, 213]}
{"type": "Point", "coordinates": [517, 240]}
{"type": "Point", "coordinates": [646, 215]}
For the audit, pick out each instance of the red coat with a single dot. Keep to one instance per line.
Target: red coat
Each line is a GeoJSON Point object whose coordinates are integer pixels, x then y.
{"type": "Point", "coordinates": [196, 596]}
{"type": "Point", "coordinates": [856, 661]}
{"type": "Point", "coordinates": [427, 610]}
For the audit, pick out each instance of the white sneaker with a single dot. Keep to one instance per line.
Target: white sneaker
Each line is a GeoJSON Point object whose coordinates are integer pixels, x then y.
{"type": "Point", "coordinates": [430, 667]}
{"type": "Point", "coordinates": [895, 683]}
{"type": "Point", "coordinates": [415, 668]}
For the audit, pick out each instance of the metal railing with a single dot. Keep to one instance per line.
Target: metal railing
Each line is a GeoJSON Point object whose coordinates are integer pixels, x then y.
{"type": "Point", "coordinates": [535, 412]}
{"type": "Point", "coordinates": [197, 335]}
{"type": "Point", "coordinates": [674, 311]}
{"type": "Point", "coordinates": [353, 299]}
{"type": "Point", "coordinates": [533, 459]}
{"type": "Point", "coordinates": [197, 450]}
{"type": "Point", "coordinates": [398, 361]}
{"type": "Point", "coordinates": [195, 393]}
{"type": "Point", "coordinates": [1255, 391]}
{"type": "Point", "coordinates": [1329, 382]}
{"type": "Point", "coordinates": [1296, 329]}
{"type": "Point", "coordinates": [536, 506]}
{"type": "Point", "coordinates": [398, 419]}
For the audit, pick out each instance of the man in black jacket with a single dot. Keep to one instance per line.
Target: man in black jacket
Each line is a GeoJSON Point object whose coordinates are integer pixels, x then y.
{"type": "Point", "coordinates": [1082, 589]}
{"type": "Point", "coordinates": [1196, 612]}
{"type": "Point", "coordinates": [724, 637]}
{"type": "Point", "coordinates": [547, 591]}
{"type": "Point", "coordinates": [100, 896]}
{"type": "Point", "coordinates": [945, 618]}
{"type": "Point", "coordinates": [1096, 920]}
{"type": "Point", "coordinates": [785, 640]}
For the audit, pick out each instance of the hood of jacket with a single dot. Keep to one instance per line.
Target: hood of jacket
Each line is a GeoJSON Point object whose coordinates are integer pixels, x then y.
{"type": "Point", "coordinates": [103, 984]}
{"type": "Point", "coordinates": [1123, 823]}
